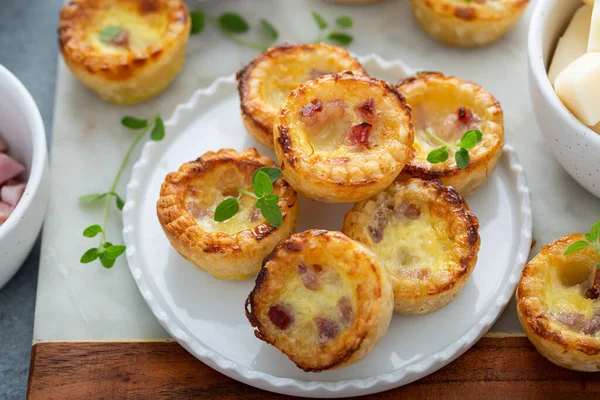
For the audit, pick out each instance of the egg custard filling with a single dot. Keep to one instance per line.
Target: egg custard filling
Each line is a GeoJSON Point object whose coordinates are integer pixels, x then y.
{"type": "Point", "coordinates": [558, 304]}
{"type": "Point", "coordinates": [234, 248]}
{"type": "Point", "coordinates": [443, 110]}
{"type": "Point", "coordinates": [124, 50]}
{"type": "Point", "coordinates": [342, 137]}
{"type": "Point", "coordinates": [266, 82]}
{"type": "Point", "coordinates": [322, 299]}
{"type": "Point", "coordinates": [425, 235]}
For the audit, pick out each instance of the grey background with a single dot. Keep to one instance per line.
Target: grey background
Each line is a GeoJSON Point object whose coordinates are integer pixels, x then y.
{"type": "Point", "coordinates": [28, 49]}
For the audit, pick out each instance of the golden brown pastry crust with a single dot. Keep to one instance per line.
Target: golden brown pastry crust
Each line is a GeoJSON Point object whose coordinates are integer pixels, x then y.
{"type": "Point", "coordinates": [284, 67]}
{"type": "Point", "coordinates": [365, 285]}
{"type": "Point", "coordinates": [332, 163]}
{"type": "Point", "coordinates": [563, 346]}
{"type": "Point", "coordinates": [476, 23]}
{"type": "Point", "coordinates": [426, 288]}
{"type": "Point", "coordinates": [427, 90]}
{"type": "Point", "coordinates": [133, 74]}
{"type": "Point", "coordinates": [224, 255]}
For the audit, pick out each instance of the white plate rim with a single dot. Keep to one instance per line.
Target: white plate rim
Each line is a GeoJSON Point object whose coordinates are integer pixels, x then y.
{"type": "Point", "coordinates": [346, 388]}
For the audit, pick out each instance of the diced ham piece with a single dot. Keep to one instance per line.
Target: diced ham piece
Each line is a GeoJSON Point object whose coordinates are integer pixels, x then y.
{"type": "Point", "coordinates": [378, 225]}
{"type": "Point", "coordinates": [407, 210]}
{"type": "Point", "coordinates": [310, 275]}
{"type": "Point", "coordinates": [5, 210]}
{"type": "Point", "coordinates": [328, 328]}
{"type": "Point", "coordinates": [9, 168]}
{"type": "Point", "coordinates": [592, 286]}
{"type": "Point", "coordinates": [360, 134]}
{"type": "Point", "coordinates": [3, 146]}
{"type": "Point", "coordinates": [12, 192]}
{"type": "Point", "coordinates": [367, 110]}
{"type": "Point", "coordinates": [346, 312]}
{"type": "Point", "coordinates": [281, 316]}
{"type": "Point", "coordinates": [465, 116]}
{"type": "Point", "coordinates": [122, 38]}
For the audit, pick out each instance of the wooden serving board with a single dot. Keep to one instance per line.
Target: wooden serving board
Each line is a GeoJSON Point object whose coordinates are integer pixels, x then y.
{"type": "Point", "coordinates": [496, 367]}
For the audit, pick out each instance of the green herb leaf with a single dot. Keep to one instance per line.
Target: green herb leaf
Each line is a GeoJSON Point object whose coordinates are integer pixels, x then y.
{"type": "Point", "coordinates": [106, 261]}
{"type": "Point", "coordinates": [595, 231]}
{"type": "Point", "coordinates": [598, 266]}
{"type": "Point", "coordinates": [105, 246]}
{"type": "Point", "coordinates": [88, 198]}
{"type": "Point", "coordinates": [226, 209]}
{"type": "Point", "coordinates": [198, 19]}
{"type": "Point", "coordinates": [438, 155]}
{"type": "Point", "coordinates": [92, 231]}
{"type": "Point", "coordinates": [340, 38]}
{"type": "Point", "coordinates": [470, 139]}
{"type": "Point", "coordinates": [233, 23]}
{"type": "Point", "coordinates": [158, 130]}
{"type": "Point", "coordinates": [120, 202]}
{"type": "Point", "coordinates": [321, 23]}
{"type": "Point", "coordinates": [273, 172]}
{"type": "Point", "coordinates": [89, 256]}
{"type": "Point", "coordinates": [109, 33]}
{"type": "Point", "coordinates": [344, 22]}
{"type": "Point", "coordinates": [134, 123]}
{"type": "Point", "coordinates": [270, 211]}
{"type": "Point", "coordinates": [462, 158]}
{"type": "Point", "coordinates": [580, 244]}
{"type": "Point", "coordinates": [114, 251]}
{"type": "Point", "coordinates": [269, 29]}
{"type": "Point", "coordinates": [272, 198]}
{"type": "Point", "coordinates": [262, 184]}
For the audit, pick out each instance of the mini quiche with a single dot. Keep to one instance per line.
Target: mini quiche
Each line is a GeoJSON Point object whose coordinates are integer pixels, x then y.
{"type": "Point", "coordinates": [267, 80]}
{"type": "Point", "coordinates": [125, 50]}
{"type": "Point", "coordinates": [467, 23]}
{"type": "Point", "coordinates": [233, 249]}
{"type": "Point", "coordinates": [322, 299]}
{"type": "Point", "coordinates": [558, 305]}
{"type": "Point", "coordinates": [447, 107]}
{"type": "Point", "coordinates": [425, 235]}
{"type": "Point", "coordinates": [343, 138]}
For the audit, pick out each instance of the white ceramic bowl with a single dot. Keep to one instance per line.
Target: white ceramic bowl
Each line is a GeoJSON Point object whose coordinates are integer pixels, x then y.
{"type": "Point", "coordinates": [575, 146]}
{"type": "Point", "coordinates": [22, 128]}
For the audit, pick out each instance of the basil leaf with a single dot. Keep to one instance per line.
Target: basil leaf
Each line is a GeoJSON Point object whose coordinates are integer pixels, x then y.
{"type": "Point", "coordinates": [462, 158]}
{"type": "Point", "coordinates": [269, 29]}
{"type": "Point", "coordinates": [92, 197]}
{"type": "Point", "coordinates": [233, 23]}
{"type": "Point", "coordinates": [89, 256]}
{"type": "Point", "coordinates": [470, 139]}
{"type": "Point", "coordinates": [344, 21]}
{"type": "Point", "coordinates": [438, 155]}
{"type": "Point", "coordinates": [321, 23]}
{"type": "Point", "coordinates": [340, 38]}
{"type": "Point", "coordinates": [578, 245]}
{"type": "Point", "coordinates": [226, 209]}
{"type": "Point", "coordinates": [109, 33]}
{"type": "Point", "coordinates": [262, 184]}
{"type": "Point", "coordinates": [273, 172]}
{"type": "Point", "coordinates": [158, 130]}
{"type": "Point", "coordinates": [114, 251]}
{"type": "Point", "coordinates": [92, 230]}
{"type": "Point", "coordinates": [595, 231]}
{"type": "Point", "coordinates": [198, 19]}
{"type": "Point", "coordinates": [106, 261]}
{"type": "Point", "coordinates": [270, 211]}
{"type": "Point", "coordinates": [134, 123]}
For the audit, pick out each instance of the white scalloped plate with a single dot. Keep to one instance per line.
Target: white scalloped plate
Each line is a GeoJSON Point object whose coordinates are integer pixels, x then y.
{"type": "Point", "coordinates": [206, 316]}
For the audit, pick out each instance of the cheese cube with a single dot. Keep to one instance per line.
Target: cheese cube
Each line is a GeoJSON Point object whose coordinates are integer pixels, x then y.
{"type": "Point", "coordinates": [574, 42]}
{"type": "Point", "coordinates": [578, 86]}
{"type": "Point", "coordinates": [594, 39]}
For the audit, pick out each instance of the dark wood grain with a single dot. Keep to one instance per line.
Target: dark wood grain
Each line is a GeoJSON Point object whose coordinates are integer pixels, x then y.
{"type": "Point", "coordinates": [506, 368]}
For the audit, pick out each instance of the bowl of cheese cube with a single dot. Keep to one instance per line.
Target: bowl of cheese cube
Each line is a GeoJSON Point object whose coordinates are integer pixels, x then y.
{"type": "Point", "coordinates": [564, 79]}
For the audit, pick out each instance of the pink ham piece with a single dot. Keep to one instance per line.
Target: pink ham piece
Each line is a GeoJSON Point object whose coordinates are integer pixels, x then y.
{"type": "Point", "coordinates": [12, 192]}
{"type": "Point", "coordinates": [3, 146]}
{"type": "Point", "coordinates": [5, 210]}
{"type": "Point", "coordinates": [9, 168]}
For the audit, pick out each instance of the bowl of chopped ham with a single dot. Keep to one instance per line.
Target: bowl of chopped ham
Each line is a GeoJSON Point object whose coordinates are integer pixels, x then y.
{"type": "Point", "coordinates": [24, 186]}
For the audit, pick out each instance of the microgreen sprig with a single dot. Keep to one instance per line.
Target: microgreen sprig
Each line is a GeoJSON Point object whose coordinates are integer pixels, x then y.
{"type": "Point", "coordinates": [342, 22]}
{"type": "Point", "coordinates": [462, 157]}
{"type": "Point", "coordinates": [267, 202]}
{"type": "Point", "coordinates": [592, 238]}
{"type": "Point", "coordinates": [231, 25]}
{"type": "Point", "coordinates": [109, 33]}
{"type": "Point", "coordinates": [106, 252]}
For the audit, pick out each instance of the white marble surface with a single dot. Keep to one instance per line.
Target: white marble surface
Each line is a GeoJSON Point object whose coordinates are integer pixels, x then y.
{"type": "Point", "coordinates": [87, 302]}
